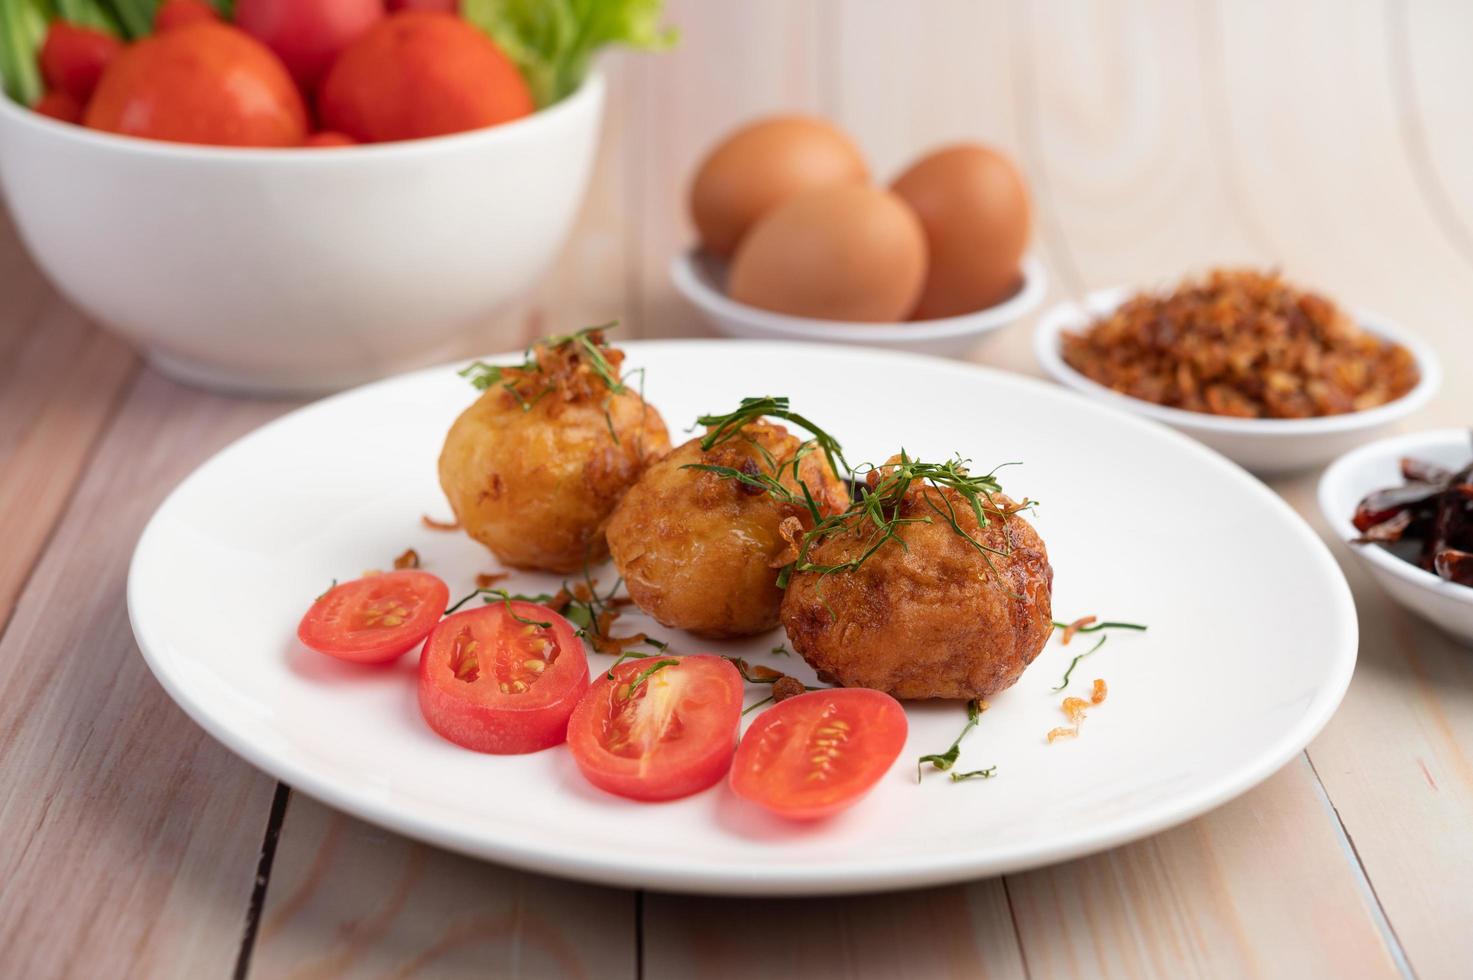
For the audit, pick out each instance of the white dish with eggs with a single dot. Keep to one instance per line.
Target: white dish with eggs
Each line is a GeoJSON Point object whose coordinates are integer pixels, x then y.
{"type": "Point", "coordinates": [797, 243]}
{"type": "Point", "coordinates": [701, 279]}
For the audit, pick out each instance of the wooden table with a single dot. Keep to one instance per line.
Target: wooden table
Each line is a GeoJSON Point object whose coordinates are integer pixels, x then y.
{"type": "Point", "coordinates": [1329, 138]}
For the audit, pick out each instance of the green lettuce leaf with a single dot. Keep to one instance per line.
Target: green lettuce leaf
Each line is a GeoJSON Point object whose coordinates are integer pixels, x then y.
{"type": "Point", "coordinates": [22, 30]}
{"type": "Point", "coordinates": [553, 41]}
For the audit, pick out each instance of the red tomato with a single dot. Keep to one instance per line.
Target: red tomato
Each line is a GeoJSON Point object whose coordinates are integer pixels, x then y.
{"type": "Point", "coordinates": [419, 74]}
{"type": "Point", "coordinates": [814, 755]}
{"type": "Point", "coordinates": [201, 83]}
{"type": "Point", "coordinates": [374, 619]}
{"type": "Point", "coordinates": [177, 13]}
{"type": "Point", "coordinates": [307, 34]}
{"type": "Point", "coordinates": [490, 682]}
{"type": "Point", "coordinates": [59, 105]}
{"type": "Point", "coordinates": [670, 735]}
{"type": "Point", "coordinates": [327, 138]}
{"type": "Point", "coordinates": [444, 6]}
{"type": "Point", "coordinates": [73, 57]}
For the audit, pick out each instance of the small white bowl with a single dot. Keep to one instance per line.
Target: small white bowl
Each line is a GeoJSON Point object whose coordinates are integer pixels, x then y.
{"type": "Point", "coordinates": [702, 280]}
{"type": "Point", "coordinates": [297, 270]}
{"type": "Point", "coordinates": [1446, 605]}
{"type": "Point", "coordinates": [1265, 446]}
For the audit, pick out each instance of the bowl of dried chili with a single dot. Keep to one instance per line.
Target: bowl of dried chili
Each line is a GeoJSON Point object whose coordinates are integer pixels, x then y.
{"type": "Point", "coordinates": [1404, 505]}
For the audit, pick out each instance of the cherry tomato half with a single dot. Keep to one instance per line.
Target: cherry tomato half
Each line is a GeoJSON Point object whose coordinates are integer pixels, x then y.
{"type": "Point", "coordinates": [814, 755]}
{"type": "Point", "coordinates": [658, 735]}
{"type": "Point", "coordinates": [493, 679]}
{"type": "Point", "coordinates": [374, 619]}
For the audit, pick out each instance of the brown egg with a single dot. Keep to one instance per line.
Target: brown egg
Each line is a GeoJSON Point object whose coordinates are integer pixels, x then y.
{"type": "Point", "coordinates": [973, 203]}
{"type": "Point", "coordinates": [762, 165]}
{"type": "Point", "coordinates": [850, 252]}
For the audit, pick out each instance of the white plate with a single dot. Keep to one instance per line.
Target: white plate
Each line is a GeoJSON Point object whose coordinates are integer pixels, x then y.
{"type": "Point", "coordinates": [1252, 639]}
{"type": "Point", "coordinates": [1265, 446]}
{"type": "Point", "coordinates": [701, 279]}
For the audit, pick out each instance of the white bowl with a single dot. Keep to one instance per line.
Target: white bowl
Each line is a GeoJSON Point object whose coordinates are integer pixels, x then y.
{"type": "Point", "coordinates": [297, 270]}
{"type": "Point", "coordinates": [1446, 605]}
{"type": "Point", "coordinates": [702, 280]}
{"type": "Point", "coordinates": [1265, 446]}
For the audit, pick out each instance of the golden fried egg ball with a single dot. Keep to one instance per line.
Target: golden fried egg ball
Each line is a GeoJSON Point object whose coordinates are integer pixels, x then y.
{"type": "Point", "coordinates": [701, 551]}
{"type": "Point", "coordinates": [927, 615]}
{"type": "Point", "coordinates": [536, 465]}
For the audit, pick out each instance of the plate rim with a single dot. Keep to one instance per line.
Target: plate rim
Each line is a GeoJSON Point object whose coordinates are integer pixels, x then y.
{"type": "Point", "coordinates": [876, 875]}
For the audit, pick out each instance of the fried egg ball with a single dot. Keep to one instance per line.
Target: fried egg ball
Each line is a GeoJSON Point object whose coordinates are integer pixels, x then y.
{"type": "Point", "coordinates": [535, 466]}
{"type": "Point", "coordinates": [925, 616]}
{"type": "Point", "coordinates": [700, 551]}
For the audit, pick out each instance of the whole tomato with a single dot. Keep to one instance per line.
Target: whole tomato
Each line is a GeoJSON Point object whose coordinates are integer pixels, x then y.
{"type": "Point", "coordinates": [327, 138]}
{"type": "Point", "coordinates": [59, 105]}
{"type": "Point", "coordinates": [177, 13]}
{"type": "Point", "coordinates": [417, 74]}
{"type": "Point", "coordinates": [201, 83]}
{"type": "Point", "coordinates": [73, 58]}
{"type": "Point", "coordinates": [307, 34]}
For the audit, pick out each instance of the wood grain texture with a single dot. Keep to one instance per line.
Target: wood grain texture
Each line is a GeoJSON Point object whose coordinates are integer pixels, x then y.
{"type": "Point", "coordinates": [1262, 887]}
{"type": "Point", "coordinates": [1129, 141]}
{"type": "Point", "coordinates": [1380, 234]}
{"type": "Point", "coordinates": [350, 900]}
{"type": "Point", "coordinates": [60, 379]}
{"type": "Point", "coordinates": [734, 62]}
{"type": "Point", "coordinates": [131, 837]}
{"type": "Point", "coordinates": [961, 931]}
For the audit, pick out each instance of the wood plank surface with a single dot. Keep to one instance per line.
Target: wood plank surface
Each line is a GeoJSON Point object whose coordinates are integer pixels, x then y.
{"type": "Point", "coordinates": [960, 931]}
{"type": "Point", "coordinates": [350, 900]}
{"type": "Point", "coordinates": [1395, 759]}
{"type": "Point", "coordinates": [131, 836]}
{"type": "Point", "coordinates": [1160, 139]}
{"type": "Point", "coordinates": [60, 379]}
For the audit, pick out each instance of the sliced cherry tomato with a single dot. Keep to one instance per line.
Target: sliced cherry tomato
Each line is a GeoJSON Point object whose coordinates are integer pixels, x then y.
{"type": "Point", "coordinates": [73, 58]}
{"type": "Point", "coordinates": [495, 679]}
{"type": "Point", "coordinates": [815, 754]}
{"type": "Point", "coordinates": [661, 729]}
{"type": "Point", "coordinates": [374, 619]}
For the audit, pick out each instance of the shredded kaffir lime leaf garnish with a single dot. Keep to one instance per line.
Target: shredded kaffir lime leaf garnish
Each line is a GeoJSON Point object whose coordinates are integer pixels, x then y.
{"type": "Point", "coordinates": [757, 704]}
{"type": "Point", "coordinates": [507, 598]}
{"type": "Point", "coordinates": [878, 511]}
{"type": "Point", "coordinates": [961, 777]}
{"type": "Point", "coordinates": [531, 381]}
{"type": "Point", "coordinates": [1096, 627]}
{"type": "Point", "coordinates": [645, 675]}
{"type": "Point", "coordinates": [1075, 662]}
{"type": "Point", "coordinates": [729, 426]}
{"type": "Point", "coordinates": [326, 591]}
{"type": "Point", "coordinates": [945, 760]}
